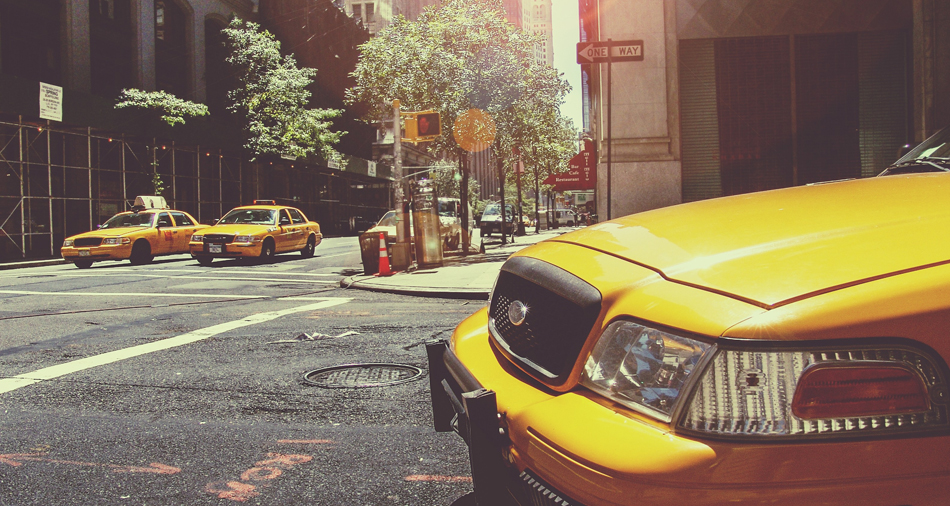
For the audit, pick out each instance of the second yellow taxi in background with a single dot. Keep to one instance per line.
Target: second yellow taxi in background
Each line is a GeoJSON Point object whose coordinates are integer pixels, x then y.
{"type": "Point", "coordinates": [260, 231]}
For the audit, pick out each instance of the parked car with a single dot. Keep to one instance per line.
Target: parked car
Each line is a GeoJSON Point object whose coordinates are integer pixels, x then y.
{"type": "Point", "coordinates": [149, 229]}
{"type": "Point", "coordinates": [565, 217]}
{"type": "Point", "coordinates": [491, 219]}
{"type": "Point", "coordinates": [450, 218]}
{"type": "Point", "coordinates": [260, 230]}
{"type": "Point", "coordinates": [787, 347]}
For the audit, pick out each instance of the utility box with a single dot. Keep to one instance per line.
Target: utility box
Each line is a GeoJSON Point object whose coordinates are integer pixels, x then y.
{"type": "Point", "coordinates": [426, 224]}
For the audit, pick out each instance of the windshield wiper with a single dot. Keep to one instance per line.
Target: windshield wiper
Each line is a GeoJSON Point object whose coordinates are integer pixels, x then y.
{"type": "Point", "coordinates": [922, 164]}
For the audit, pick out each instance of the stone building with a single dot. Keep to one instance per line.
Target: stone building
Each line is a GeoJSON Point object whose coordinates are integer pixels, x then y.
{"type": "Point", "coordinates": [735, 96]}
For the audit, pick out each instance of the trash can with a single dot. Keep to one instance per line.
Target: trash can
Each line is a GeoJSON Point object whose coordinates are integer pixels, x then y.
{"type": "Point", "coordinates": [369, 251]}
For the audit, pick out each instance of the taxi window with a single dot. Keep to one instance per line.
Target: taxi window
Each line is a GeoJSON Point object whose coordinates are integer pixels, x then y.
{"type": "Point", "coordinates": [284, 219]}
{"type": "Point", "coordinates": [129, 220]}
{"type": "Point", "coordinates": [253, 216]}
{"type": "Point", "coordinates": [296, 216]}
{"type": "Point", "coordinates": [164, 220]}
{"type": "Point", "coordinates": [182, 219]}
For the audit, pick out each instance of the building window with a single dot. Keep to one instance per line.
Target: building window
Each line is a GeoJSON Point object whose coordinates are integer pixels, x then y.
{"type": "Point", "coordinates": [370, 13]}
{"type": "Point", "coordinates": [160, 20]}
{"type": "Point", "coordinates": [358, 11]}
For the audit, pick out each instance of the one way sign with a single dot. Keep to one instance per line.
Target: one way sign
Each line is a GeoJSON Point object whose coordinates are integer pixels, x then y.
{"type": "Point", "coordinates": [620, 50]}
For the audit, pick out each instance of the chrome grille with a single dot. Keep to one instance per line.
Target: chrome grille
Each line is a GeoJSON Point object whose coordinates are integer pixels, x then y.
{"type": "Point", "coordinates": [218, 238]}
{"type": "Point", "coordinates": [542, 494]}
{"type": "Point", "coordinates": [561, 309]}
{"type": "Point", "coordinates": [87, 241]}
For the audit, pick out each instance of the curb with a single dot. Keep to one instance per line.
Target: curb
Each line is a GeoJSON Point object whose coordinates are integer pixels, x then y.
{"type": "Point", "coordinates": [33, 263]}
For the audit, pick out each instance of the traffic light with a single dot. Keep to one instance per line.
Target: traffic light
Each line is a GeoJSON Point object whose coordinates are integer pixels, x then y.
{"type": "Point", "coordinates": [422, 126]}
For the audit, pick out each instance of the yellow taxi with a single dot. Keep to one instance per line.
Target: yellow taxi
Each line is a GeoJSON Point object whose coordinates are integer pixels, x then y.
{"type": "Point", "coordinates": [788, 347]}
{"type": "Point", "coordinates": [149, 229]}
{"type": "Point", "coordinates": [260, 230]}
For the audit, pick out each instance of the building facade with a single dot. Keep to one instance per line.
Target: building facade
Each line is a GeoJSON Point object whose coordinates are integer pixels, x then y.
{"type": "Point", "coordinates": [738, 96]}
{"type": "Point", "coordinates": [65, 173]}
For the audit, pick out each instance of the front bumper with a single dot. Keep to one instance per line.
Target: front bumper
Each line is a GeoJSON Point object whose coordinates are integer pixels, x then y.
{"type": "Point", "coordinates": [229, 250]}
{"type": "Point", "coordinates": [117, 252]}
{"type": "Point", "coordinates": [461, 404]}
{"type": "Point", "coordinates": [530, 446]}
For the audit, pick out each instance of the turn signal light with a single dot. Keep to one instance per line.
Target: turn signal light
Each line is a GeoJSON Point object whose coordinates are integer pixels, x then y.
{"type": "Point", "coordinates": [839, 391]}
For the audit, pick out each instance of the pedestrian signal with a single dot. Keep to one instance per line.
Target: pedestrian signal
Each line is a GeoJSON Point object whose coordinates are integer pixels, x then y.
{"type": "Point", "coordinates": [422, 126]}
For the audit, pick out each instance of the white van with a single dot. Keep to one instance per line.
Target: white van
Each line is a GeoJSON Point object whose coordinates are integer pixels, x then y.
{"type": "Point", "coordinates": [565, 217]}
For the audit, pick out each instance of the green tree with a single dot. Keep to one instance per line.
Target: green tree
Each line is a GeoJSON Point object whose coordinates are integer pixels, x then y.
{"type": "Point", "coordinates": [455, 57]}
{"type": "Point", "coordinates": [168, 108]}
{"type": "Point", "coordinates": [273, 97]}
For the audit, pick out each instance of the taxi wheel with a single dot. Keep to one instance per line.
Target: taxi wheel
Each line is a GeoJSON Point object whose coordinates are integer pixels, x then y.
{"type": "Point", "coordinates": [205, 261]}
{"type": "Point", "coordinates": [267, 251]}
{"type": "Point", "coordinates": [307, 250]}
{"type": "Point", "coordinates": [83, 264]}
{"type": "Point", "coordinates": [141, 253]}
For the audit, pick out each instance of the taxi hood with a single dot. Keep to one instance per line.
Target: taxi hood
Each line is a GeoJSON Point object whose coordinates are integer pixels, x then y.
{"type": "Point", "coordinates": [772, 248]}
{"type": "Point", "coordinates": [238, 228]}
{"type": "Point", "coordinates": [111, 232]}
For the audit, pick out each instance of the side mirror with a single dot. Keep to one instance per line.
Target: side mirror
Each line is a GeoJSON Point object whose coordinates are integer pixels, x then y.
{"type": "Point", "coordinates": [98, 226]}
{"type": "Point", "coordinates": [215, 221]}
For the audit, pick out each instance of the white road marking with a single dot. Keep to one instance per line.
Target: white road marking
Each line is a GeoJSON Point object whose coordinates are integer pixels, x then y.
{"type": "Point", "coordinates": [150, 294]}
{"type": "Point", "coordinates": [56, 371]}
{"type": "Point", "coordinates": [277, 280]}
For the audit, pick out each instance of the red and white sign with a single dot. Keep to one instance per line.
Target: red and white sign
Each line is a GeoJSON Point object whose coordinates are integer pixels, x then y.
{"type": "Point", "coordinates": [581, 172]}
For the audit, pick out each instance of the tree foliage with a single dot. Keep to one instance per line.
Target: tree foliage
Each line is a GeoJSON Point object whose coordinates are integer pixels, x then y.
{"type": "Point", "coordinates": [170, 108]}
{"type": "Point", "coordinates": [273, 97]}
{"type": "Point", "coordinates": [458, 56]}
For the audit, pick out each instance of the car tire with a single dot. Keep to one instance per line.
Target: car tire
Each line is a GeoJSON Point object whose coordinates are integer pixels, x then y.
{"type": "Point", "coordinates": [308, 250]}
{"type": "Point", "coordinates": [141, 253]}
{"type": "Point", "coordinates": [83, 264]}
{"type": "Point", "coordinates": [204, 261]}
{"type": "Point", "coordinates": [267, 251]}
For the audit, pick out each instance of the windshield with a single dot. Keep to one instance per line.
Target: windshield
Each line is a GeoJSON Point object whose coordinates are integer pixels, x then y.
{"type": "Point", "coordinates": [251, 216]}
{"type": "Point", "coordinates": [388, 220]}
{"type": "Point", "coordinates": [448, 208]}
{"type": "Point", "coordinates": [495, 209]}
{"type": "Point", "coordinates": [937, 146]}
{"type": "Point", "coordinates": [129, 220]}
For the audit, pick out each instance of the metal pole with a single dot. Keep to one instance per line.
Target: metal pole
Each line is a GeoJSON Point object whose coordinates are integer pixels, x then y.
{"type": "Point", "coordinates": [609, 135]}
{"type": "Point", "coordinates": [537, 192]}
{"type": "Point", "coordinates": [401, 235]}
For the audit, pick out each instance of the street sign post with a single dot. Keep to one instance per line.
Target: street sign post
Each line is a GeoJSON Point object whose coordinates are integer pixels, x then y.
{"type": "Point", "coordinates": [608, 52]}
{"type": "Point", "coordinates": [616, 51]}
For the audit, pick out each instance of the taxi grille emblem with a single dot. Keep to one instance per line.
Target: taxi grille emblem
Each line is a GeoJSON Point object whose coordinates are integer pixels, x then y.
{"type": "Point", "coordinates": [517, 312]}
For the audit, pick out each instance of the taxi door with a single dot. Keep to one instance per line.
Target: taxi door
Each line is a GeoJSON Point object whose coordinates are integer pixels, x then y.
{"type": "Point", "coordinates": [165, 240]}
{"type": "Point", "coordinates": [287, 235]}
{"type": "Point", "coordinates": [182, 232]}
{"type": "Point", "coordinates": [301, 229]}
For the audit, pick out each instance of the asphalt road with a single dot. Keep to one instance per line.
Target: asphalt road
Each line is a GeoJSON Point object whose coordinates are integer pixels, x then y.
{"type": "Point", "coordinates": [174, 384]}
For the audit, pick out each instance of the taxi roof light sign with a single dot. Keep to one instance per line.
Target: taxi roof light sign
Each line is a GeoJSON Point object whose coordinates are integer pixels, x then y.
{"type": "Point", "coordinates": [150, 202]}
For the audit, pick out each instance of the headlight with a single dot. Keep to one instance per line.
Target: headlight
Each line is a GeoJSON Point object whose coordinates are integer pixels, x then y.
{"type": "Point", "coordinates": [197, 238]}
{"type": "Point", "coordinates": [112, 241]}
{"type": "Point", "coordinates": [244, 238]}
{"type": "Point", "coordinates": [67, 243]}
{"type": "Point", "coordinates": [643, 368]}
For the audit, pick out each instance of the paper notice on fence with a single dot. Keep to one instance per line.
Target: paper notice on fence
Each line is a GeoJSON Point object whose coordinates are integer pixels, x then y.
{"type": "Point", "coordinates": [51, 102]}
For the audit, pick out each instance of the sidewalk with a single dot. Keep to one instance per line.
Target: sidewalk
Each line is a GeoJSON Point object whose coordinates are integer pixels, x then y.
{"type": "Point", "coordinates": [460, 277]}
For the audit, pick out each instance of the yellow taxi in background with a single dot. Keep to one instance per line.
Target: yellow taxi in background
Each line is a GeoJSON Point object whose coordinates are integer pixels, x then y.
{"type": "Point", "coordinates": [786, 347]}
{"type": "Point", "coordinates": [260, 230]}
{"type": "Point", "coordinates": [149, 229]}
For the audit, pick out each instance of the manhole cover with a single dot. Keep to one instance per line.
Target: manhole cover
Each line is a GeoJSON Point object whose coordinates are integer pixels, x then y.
{"type": "Point", "coordinates": [362, 375]}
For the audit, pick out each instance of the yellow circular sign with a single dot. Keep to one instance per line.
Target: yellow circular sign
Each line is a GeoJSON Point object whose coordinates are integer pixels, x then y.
{"type": "Point", "coordinates": [474, 130]}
